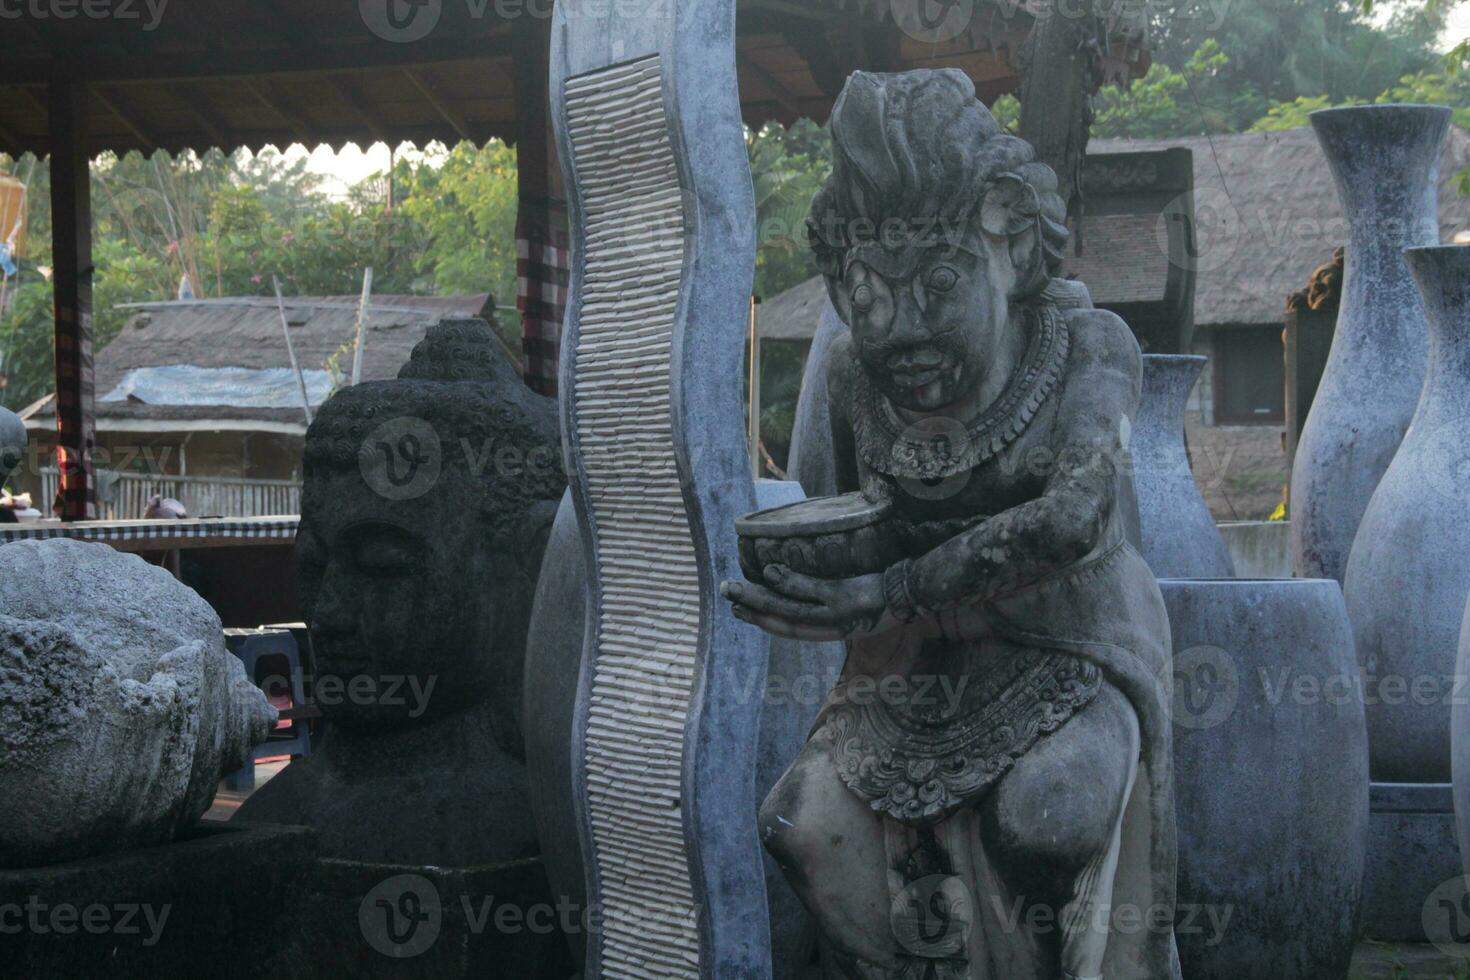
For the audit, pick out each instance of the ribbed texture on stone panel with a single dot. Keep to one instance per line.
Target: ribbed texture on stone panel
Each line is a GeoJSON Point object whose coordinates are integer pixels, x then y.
{"type": "Point", "coordinates": [646, 570]}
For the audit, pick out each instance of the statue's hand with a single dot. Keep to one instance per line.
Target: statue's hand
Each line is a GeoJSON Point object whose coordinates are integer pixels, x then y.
{"type": "Point", "coordinates": [805, 608]}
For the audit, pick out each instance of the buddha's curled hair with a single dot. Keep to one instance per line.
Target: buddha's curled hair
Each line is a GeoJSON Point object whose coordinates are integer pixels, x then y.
{"type": "Point", "coordinates": [917, 149]}
{"type": "Point", "coordinates": [490, 427]}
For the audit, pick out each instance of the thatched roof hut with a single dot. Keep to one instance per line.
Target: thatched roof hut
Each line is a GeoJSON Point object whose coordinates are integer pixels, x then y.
{"type": "Point", "coordinates": [221, 364]}
{"type": "Point", "coordinates": [1266, 214]}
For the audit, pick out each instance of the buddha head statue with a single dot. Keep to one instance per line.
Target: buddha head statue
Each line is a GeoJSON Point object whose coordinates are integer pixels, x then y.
{"type": "Point", "coordinates": [933, 229]}
{"type": "Point", "coordinates": [424, 516]}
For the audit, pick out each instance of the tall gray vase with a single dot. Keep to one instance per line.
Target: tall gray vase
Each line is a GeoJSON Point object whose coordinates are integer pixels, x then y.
{"type": "Point", "coordinates": [1460, 749]}
{"type": "Point", "coordinates": [1270, 778]}
{"type": "Point", "coordinates": [1180, 539]}
{"type": "Point", "coordinates": [1409, 571]}
{"type": "Point", "coordinates": [1385, 160]}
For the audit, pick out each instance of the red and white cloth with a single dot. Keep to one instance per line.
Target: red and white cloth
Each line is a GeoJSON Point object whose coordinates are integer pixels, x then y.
{"type": "Point", "coordinates": [543, 266]}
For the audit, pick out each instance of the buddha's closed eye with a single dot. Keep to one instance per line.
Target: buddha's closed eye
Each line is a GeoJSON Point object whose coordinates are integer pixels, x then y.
{"type": "Point", "coordinates": [382, 549]}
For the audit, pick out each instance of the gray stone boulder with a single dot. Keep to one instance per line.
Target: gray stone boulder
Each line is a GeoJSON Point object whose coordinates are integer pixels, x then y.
{"type": "Point", "coordinates": [12, 442]}
{"type": "Point", "coordinates": [120, 707]}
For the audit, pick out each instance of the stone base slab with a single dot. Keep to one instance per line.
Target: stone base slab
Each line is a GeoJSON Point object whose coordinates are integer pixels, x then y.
{"type": "Point", "coordinates": [1412, 849]}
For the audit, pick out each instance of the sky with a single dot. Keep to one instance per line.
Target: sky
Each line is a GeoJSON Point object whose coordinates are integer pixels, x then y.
{"type": "Point", "coordinates": [342, 170]}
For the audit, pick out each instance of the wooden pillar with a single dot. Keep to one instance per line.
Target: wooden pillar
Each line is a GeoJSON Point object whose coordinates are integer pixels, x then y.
{"type": "Point", "coordinates": [71, 259]}
{"type": "Point", "coordinates": [1308, 339]}
{"type": "Point", "coordinates": [542, 256]}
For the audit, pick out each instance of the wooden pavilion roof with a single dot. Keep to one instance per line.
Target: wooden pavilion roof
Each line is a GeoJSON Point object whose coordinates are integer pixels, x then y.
{"type": "Point", "coordinates": [229, 74]}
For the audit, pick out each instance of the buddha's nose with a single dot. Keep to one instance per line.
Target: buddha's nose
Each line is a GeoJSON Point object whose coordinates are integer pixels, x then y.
{"type": "Point", "coordinates": [334, 613]}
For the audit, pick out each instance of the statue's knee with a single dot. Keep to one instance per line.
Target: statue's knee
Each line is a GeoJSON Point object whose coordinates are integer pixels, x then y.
{"type": "Point", "coordinates": [1045, 823]}
{"type": "Point", "coordinates": [780, 830]}
{"type": "Point", "coordinates": [1061, 806]}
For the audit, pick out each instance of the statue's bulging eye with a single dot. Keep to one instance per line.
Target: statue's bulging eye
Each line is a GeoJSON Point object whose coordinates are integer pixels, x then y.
{"type": "Point", "coordinates": [863, 297]}
{"type": "Point", "coordinates": [942, 279]}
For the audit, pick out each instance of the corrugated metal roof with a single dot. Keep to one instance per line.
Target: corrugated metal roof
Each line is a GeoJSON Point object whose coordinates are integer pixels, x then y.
{"type": "Point", "coordinates": [244, 333]}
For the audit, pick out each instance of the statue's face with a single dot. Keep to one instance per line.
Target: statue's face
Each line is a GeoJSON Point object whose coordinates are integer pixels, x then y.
{"type": "Point", "coordinates": [400, 598]}
{"type": "Point", "coordinates": [926, 340]}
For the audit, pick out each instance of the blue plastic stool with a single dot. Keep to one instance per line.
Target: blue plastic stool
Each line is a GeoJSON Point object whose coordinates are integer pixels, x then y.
{"type": "Point", "coordinates": [253, 647]}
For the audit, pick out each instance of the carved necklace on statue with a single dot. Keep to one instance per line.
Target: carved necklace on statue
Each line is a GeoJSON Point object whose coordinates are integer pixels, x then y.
{"type": "Point", "coordinates": [936, 447]}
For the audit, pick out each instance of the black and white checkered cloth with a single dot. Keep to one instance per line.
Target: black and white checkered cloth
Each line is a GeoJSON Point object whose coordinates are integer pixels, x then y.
{"type": "Point", "coordinates": [265, 528]}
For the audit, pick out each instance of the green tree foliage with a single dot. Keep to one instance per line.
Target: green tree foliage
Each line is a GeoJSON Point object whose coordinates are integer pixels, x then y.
{"type": "Point", "coordinates": [465, 205]}
{"type": "Point", "coordinates": [1279, 50]}
{"type": "Point", "coordinates": [1166, 102]}
{"type": "Point", "coordinates": [787, 167]}
{"type": "Point", "coordinates": [1293, 114]}
{"type": "Point", "coordinates": [1225, 67]}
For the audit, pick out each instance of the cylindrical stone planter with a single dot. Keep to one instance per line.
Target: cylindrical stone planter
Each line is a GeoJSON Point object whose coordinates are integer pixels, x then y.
{"type": "Point", "coordinates": [1385, 160]}
{"type": "Point", "coordinates": [1271, 778]}
{"type": "Point", "coordinates": [1179, 536]}
{"type": "Point", "coordinates": [1409, 572]}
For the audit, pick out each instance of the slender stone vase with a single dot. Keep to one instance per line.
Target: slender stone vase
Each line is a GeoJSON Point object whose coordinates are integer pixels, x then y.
{"type": "Point", "coordinates": [1385, 159]}
{"type": "Point", "coordinates": [1180, 539]}
{"type": "Point", "coordinates": [1407, 579]}
{"type": "Point", "coordinates": [1408, 574]}
{"type": "Point", "coordinates": [1270, 776]}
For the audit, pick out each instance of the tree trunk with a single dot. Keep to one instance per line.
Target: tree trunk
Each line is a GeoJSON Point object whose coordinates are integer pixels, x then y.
{"type": "Point", "coordinates": [1058, 77]}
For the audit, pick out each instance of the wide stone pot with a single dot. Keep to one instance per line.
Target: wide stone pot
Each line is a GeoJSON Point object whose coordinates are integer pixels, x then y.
{"type": "Point", "coordinates": [1385, 160]}
{"type": "Point", "coordinates": [1271, 778]}
{"type": "Point", "coordinates": [1409, 573]}
{"type": "Point", "coordinates": [1179, 536]}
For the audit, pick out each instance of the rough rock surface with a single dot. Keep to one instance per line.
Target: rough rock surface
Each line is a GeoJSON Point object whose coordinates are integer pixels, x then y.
{"type": "Point", "coordinates": [12, 442]}
{"type": "Point", "coordinates": [120, 707]}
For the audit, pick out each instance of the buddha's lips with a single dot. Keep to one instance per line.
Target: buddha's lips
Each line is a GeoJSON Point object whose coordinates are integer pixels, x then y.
{"type": "Point", "coordinates": [341, 663]}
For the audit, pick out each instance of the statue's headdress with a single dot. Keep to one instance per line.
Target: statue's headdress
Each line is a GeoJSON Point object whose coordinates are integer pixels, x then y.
{"type": "Point", "coordinates": [916, 158]}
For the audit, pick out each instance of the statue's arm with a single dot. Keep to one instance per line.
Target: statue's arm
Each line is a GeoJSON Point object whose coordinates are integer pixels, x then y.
{"type": "Point", "coordinates": [1067, 520]}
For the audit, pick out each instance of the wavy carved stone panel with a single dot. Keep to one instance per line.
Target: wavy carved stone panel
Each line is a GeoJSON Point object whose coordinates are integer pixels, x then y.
{"type": "Point", "coordinates": [646, 570]}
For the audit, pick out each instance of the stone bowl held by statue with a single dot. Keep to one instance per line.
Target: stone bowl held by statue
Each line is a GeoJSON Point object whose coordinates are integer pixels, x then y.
{"type": "Point", "coordinates": [826, 537]}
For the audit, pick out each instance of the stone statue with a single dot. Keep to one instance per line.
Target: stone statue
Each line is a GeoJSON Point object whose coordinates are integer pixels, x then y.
{"type": "Point", "coordinates": [120, 707]}
{"type": "Point", "coordinates": [987, 792]}
{"type": "Point", "coordinates": [424, 515]}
